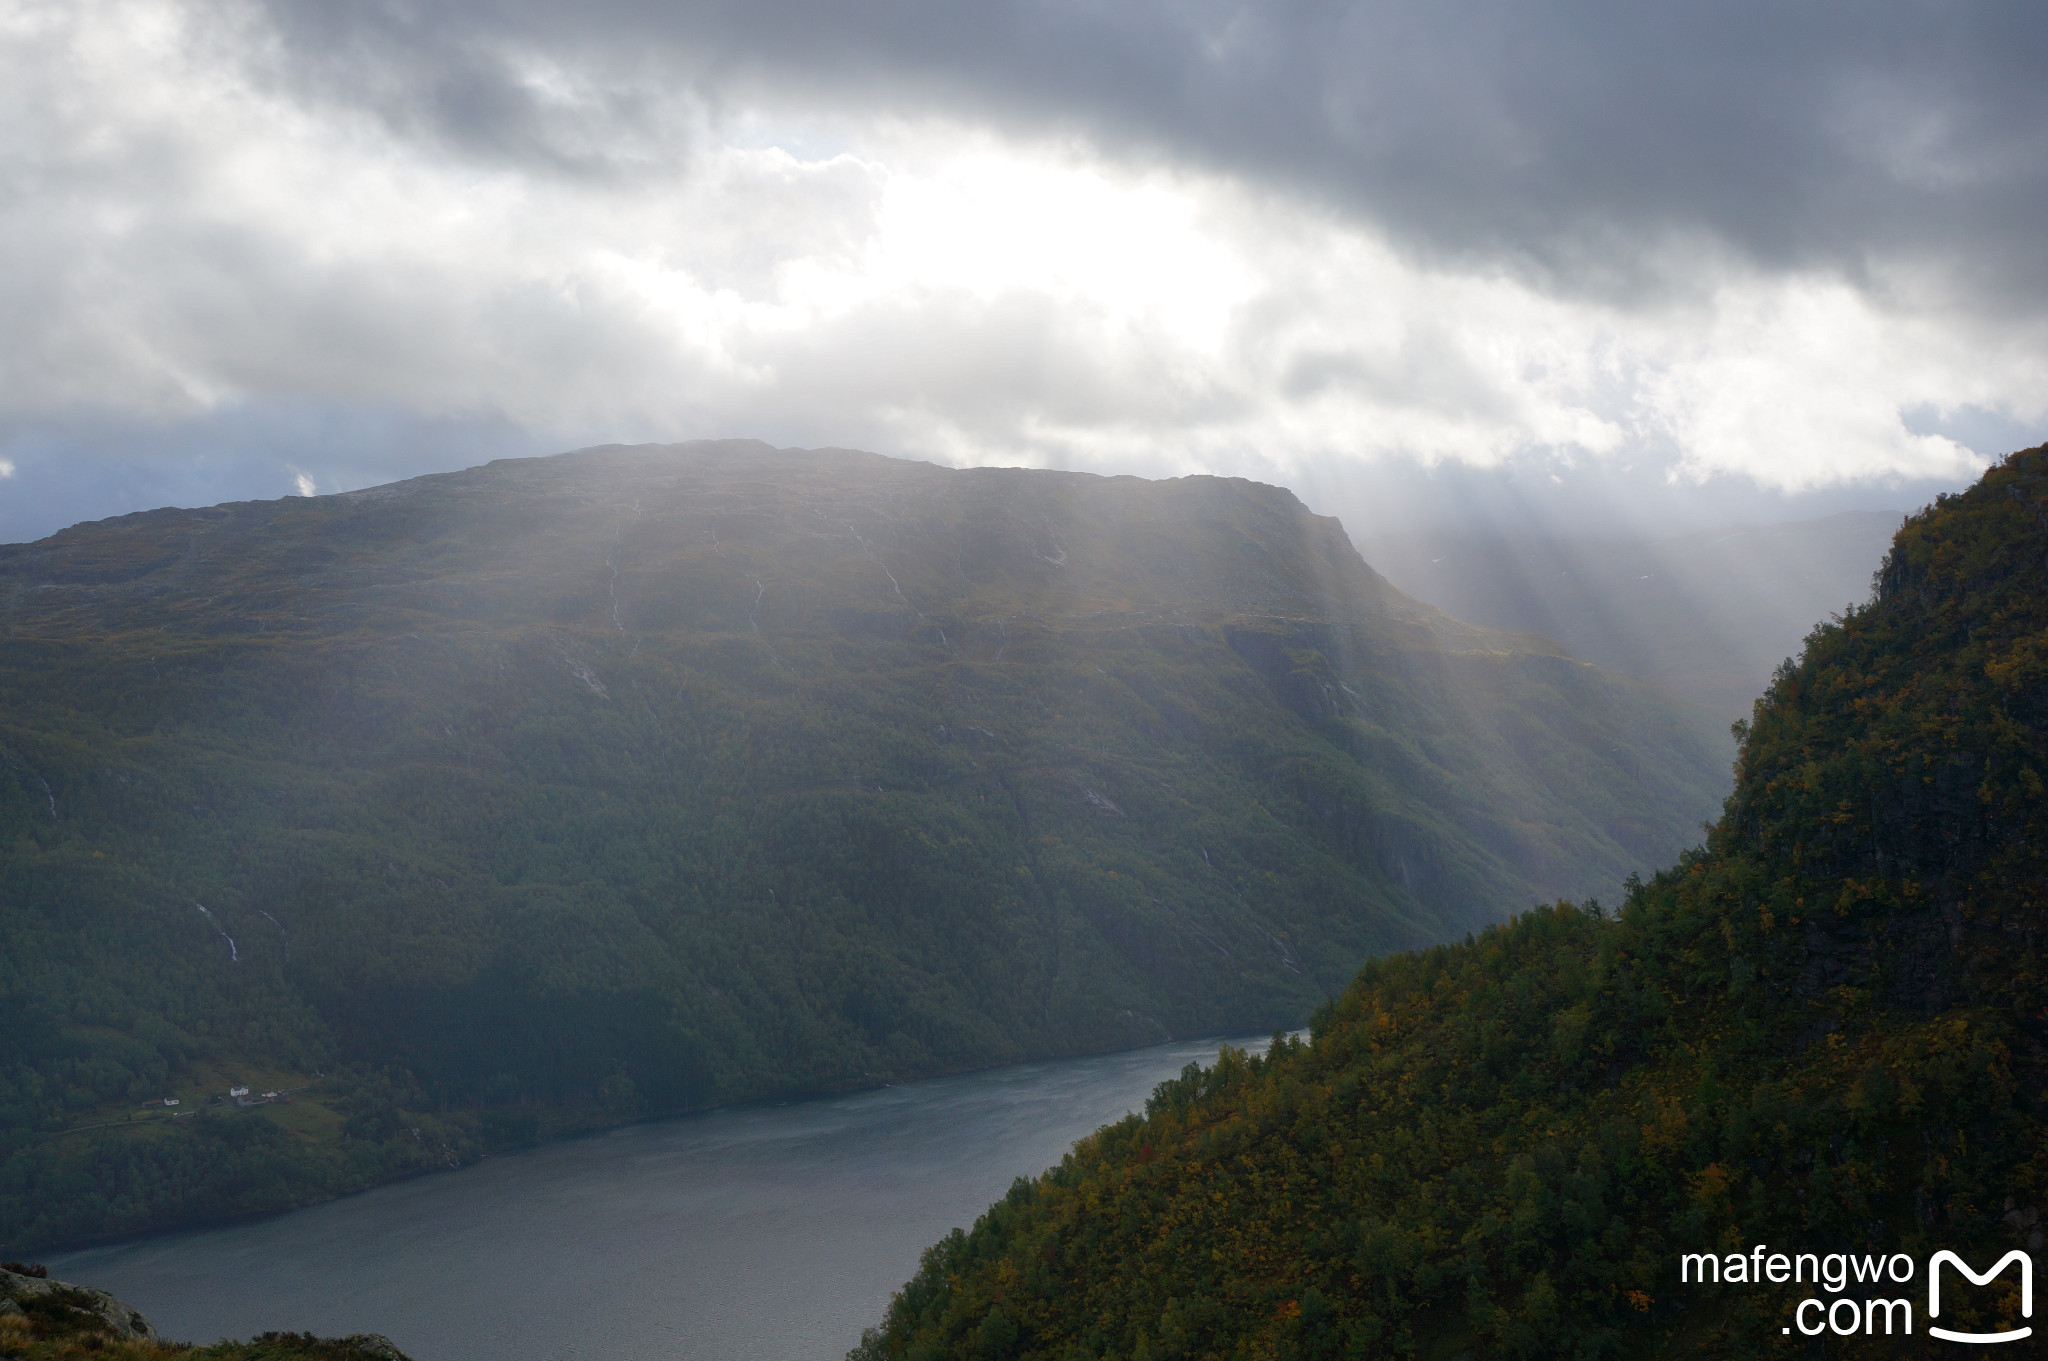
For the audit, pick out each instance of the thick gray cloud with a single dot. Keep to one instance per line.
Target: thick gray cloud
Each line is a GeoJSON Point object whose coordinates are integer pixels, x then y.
{"type": "Point", "coordinates": [1598, 144]}
{"type": "Point", "coordinates": [1501, 260]}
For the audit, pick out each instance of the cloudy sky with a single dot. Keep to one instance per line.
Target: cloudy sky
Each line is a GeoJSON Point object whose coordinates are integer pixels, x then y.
{"type": "Point", "coordinates": [1549, 258]}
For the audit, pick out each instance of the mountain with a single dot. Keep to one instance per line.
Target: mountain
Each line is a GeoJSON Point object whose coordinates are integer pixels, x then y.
{"type": "Point", "coordinates": [454, 813]}
{"type": "Point", "coordinates": [1705, 616]}
{"type": "Point", "coordinates": [1824, 1032]}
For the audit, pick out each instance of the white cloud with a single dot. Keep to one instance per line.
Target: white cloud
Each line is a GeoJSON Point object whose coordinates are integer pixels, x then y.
{"type": "Point", "coordinates": [185, 233]}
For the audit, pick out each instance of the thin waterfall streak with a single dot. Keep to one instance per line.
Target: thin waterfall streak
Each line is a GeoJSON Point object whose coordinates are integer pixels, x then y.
{"type": "Point", "coordinates": [234, 955]}
{"type": "Point", "coordinates": [281, 931]}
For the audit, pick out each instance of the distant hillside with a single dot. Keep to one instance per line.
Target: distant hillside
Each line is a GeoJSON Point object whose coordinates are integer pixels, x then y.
{"type": "Point", "coordinates": [563, 791]}
{"type": "Point", "coordinates": [1825, 1033]}
{"type": "Point", "coordinates": [1705, 616]}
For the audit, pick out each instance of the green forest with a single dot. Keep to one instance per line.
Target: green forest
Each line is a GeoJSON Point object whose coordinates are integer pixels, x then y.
{"type": "Point", "coordinates": [1825, 1030]}
{"type": "Point", "coordinates": [557, 793]}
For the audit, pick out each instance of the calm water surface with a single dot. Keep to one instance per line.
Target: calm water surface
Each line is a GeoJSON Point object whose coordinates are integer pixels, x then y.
{"type": "Point", "coordinates": [769, 1233]}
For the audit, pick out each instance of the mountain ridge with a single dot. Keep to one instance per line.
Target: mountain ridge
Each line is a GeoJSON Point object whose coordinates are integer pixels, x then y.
{"type": "Point", "coordinates": [565, 791]}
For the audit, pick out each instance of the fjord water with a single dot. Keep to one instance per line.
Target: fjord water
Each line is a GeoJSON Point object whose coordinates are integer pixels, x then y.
{"type": "Point", "coordinates": [767, 1233]}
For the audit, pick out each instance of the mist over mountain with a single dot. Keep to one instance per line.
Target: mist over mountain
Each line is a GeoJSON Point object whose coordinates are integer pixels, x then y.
{"type": "Point", "coordinates": [1706, 616]}
{"type": "Point", "coordinates": [563, 791]}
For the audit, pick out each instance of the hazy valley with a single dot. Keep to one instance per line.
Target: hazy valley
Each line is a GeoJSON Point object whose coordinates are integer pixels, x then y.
{"type": "Point", "coordinates": [1705, 616]}
{"type": "Point", "coordinates": [658, 846]}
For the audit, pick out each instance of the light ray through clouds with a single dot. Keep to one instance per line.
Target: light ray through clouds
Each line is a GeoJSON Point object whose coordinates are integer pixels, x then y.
{"type": "Point", "coordinates": [199, 233]}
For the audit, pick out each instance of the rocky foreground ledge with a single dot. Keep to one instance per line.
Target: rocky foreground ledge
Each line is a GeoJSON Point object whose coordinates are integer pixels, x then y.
{"type": "Point", "coordinates": [46, 1320]}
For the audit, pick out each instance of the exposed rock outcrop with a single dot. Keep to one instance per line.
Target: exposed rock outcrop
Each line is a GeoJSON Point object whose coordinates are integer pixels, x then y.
{"type": "Point", "coordinates": [59, 1319]}
{"type": "Point", "coordinates": [23, 1295]}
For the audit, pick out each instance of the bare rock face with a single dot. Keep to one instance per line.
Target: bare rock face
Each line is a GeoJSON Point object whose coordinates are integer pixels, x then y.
{"type": "Point", "coordinates": [96, 1309]}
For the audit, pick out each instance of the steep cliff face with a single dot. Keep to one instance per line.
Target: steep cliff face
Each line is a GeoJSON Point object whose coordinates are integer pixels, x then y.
{"type": "Point", "coordinates": [1826, 1031]}
{"type": "Point", "coordinates": [567, 790]}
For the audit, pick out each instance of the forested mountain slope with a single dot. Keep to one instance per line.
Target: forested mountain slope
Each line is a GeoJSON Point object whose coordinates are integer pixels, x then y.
{"type": "Point", "coordinates": [1822, 1032]}
{"type": "Point", "coordinates": [562, 791]}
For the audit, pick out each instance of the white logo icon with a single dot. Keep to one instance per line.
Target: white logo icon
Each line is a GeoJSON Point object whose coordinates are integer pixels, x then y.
{"type": "Point", "coordinates": [2026, 1294]}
